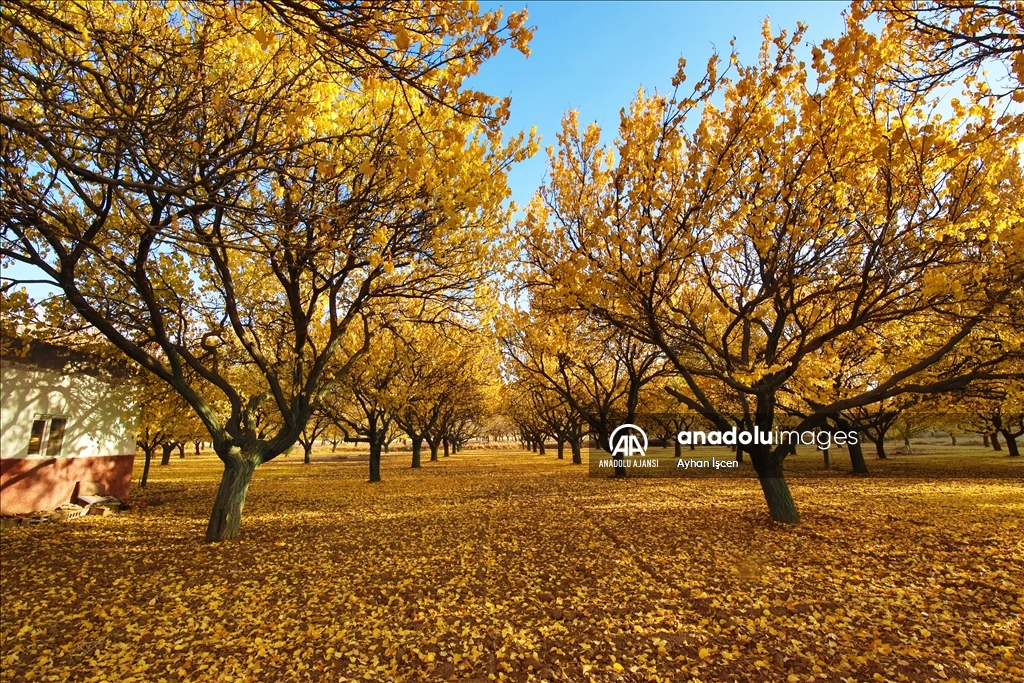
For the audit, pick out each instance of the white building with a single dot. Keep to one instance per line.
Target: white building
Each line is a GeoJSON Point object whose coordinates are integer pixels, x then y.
{"type": "Point", "coordinates": [65, 418]}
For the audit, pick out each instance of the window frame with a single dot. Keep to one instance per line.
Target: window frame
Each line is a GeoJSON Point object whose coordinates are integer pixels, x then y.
{"type": "Point", "coordinates": [51, 436]}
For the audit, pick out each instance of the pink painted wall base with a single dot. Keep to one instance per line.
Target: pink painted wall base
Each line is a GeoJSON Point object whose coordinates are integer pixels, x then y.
{"type": "Point", "coordinates": [30, 484]}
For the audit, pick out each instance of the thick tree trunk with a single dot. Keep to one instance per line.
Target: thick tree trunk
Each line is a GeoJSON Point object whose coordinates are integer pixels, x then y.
{"type": "Point", "coordinates": [906, 442]}
{"type": "Point", "coordinates": [996, 446]}
{"type": "Point", "coordinates": [417, 450]}
{"type": "Point", "coordinates": [375, 449]}
{"type": "Point", "coordinates": [860, 466]}
{"type": "Point", "coordinates": [446, 446]}
{"type": "Point", "coordinates": [577, 455]}
{"type": "Point", "coordinates": [984, 440]}
{"type": "Point", "coordinates": [197, 446]}
{"type": "Point", "coordinates": [181, 450]}
{"type": "Point", "coordinates": [880, 448]}
{"type": "Point", "coordinates": [678, 448]}
{"type": "Point", "coordinates": [952, 439]}
{"type": "Point", "coordinates": [145, 466]}
{"type": "Point", "coordinates": [167, 448]}
{"type": "Point", "coordinates": [561, 449]}
{"type": "Point", "coordinates": [1011, 443]}
{"type": "Point", "coordinates": [540, 447]}
{"type": "Point", "coordinates": [827, 458]}
{"type": "Point", "coordinates": [433, 450]}
{"type": "Point", "coordinates": [854, 448]}
{"type": "Point", "coordinates": [773, 484]}
{"type": "Point", "coordinates": [307, 451]}
{"type": "Point", "coordinates": [226, 518]}
{"type": "Point", "coordinates": [739, 453]}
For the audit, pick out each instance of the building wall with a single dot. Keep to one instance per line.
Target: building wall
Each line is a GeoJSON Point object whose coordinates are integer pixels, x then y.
{"type": "Point", "coordinates": [98, 443]}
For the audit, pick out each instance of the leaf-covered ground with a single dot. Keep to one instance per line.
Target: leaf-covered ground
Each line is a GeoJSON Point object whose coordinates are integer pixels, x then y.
{"type": "Point", "coordinates": [491, 566]}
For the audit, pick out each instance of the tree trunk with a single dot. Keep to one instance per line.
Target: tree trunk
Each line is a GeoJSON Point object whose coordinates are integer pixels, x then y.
{"type": "Point", "coordinates": [854, 448]}
{"type": "Point", "coordinates": [307, 450]}
{"type": "Point", "coordinates": [446, 446]}
{"type": "Point", "coordinates": [226, 518]}
{"type": "Point", "coordinates": [417, 449]}
{"type": "Point", "coordinates": [540, 447]}
{"type": "Point", "coordinates": [678, 448]}
{"type": "Point", "coordinates": [1011, 443]}
{"type": "Point", "coordinates": [167, 448]}
{"type": "Point", "coordinates": [433, 450]}
{"type": "Point", "coordinates": [561, 449]}
{"type": "Point", "coordinates": [826, 456]}
{"type": "Point", "coordinates": [984, 440]}
{"type": "Point", "coordinates": [739, 453]}
{"type": "Point", "coordinates": [577, 455]}
{"type": "Point", "coordinates": [773, 484]}
{"type": "Point", "coordinates": [880, 448]}
{"type": "Point", "coordinates": [857, 458]}
{"type": "Point", "coordinates": [145, 467]}
{"type": "Point", "coordinates": [181, 450]}
{"type": "Point", "coordinates": [375, 449]}
{"type": "Point", "coordinates": [996, 446]}
{"type": "Point", "coordinates": [906, 442]}
{"type": "Point", "coordinates": [197, 446]}
{"type": "Point", "coordinates": [952, 438]}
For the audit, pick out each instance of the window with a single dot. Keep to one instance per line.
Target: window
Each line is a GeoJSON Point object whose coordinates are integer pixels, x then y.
{"type": "Point", "coordinates": [56, 439]}
{"type": "Point", "coordinates": [35, 441]}
{"type": "Point", "coordinates": [47, 430]}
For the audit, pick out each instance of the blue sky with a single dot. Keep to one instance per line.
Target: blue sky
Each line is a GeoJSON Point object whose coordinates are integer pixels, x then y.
{"type": "Point", "coordinates": [593, 56]}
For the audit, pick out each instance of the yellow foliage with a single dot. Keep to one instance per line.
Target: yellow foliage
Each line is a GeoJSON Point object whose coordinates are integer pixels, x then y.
{"type": "Point", "coordinates": [510, 564]}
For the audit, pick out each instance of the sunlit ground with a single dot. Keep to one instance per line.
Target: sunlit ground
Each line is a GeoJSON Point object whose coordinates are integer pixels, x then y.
{"type": "Point", "coordinates": [500, 565]}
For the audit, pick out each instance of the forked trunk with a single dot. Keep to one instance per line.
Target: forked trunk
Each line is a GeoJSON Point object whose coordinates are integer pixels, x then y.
{"type": "Point", "coordinates": [307, 450]}
{"type": "Point", "coordinates": [417, 450]}
{"type": "Point", "coordinates": [226, 518]}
